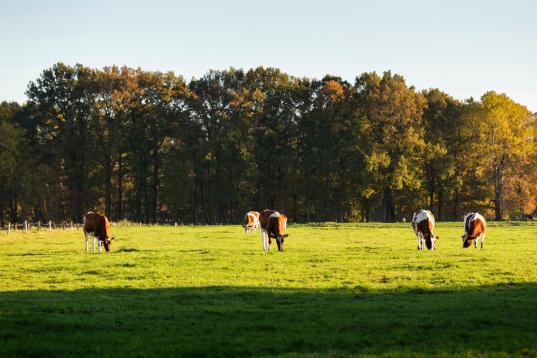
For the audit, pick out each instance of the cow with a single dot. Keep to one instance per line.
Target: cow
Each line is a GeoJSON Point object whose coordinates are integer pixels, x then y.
{"type": "Point", "coordinates": [99, 227]}
{"type": "Point", "coordinates": [475, 226]}
{"type": "Point", "coordinates": [423, 224]}
{"type": "Point", "coordinates": [251, 221]}
{"type": "Point", "coordinates": [272, 225]}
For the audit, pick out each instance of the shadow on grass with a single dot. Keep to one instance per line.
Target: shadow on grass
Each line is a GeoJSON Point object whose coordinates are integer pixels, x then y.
{"type": "Point", "coordinates": [233, 321]}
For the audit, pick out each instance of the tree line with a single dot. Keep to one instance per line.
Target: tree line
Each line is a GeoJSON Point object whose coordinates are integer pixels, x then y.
{"type": "Point", "coordinates": [153, 147]}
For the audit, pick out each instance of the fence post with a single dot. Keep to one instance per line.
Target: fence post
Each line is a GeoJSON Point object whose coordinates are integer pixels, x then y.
{"type": "Point", "coordinates": [50, 225]}
{"type": "Point", "coordinates": [140, 223]}
{"type": "Point", "coordinates": [71, 225]}
{"type": "Point", "coordinates": [39, 225]}
{"type": "Point", "coordinates": [63, 225]}
{"type": "Point", "coordinates": [176, 224]}
{"type": "Point", "coordinates": [25, 225]}
{"type": "Point", "coordinates": [8, 227]}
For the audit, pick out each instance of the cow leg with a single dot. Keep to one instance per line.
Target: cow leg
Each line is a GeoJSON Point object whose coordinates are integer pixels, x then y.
{"type": "Point", "coordinates": [262, 232]}
{"type": "Point", "coordinates": [475, 242]}
{"type": "Point", "coordinates": [93, 244]}
{"type": "Point", "coordinates": [86, 239]}
{"type": "Point", "coordinates": [100, 245]}
{"type": "Point", "coordinates": [482, 240]}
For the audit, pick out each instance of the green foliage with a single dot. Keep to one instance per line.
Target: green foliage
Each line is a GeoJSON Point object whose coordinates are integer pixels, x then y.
{"type": "Point", "coordinates": [149, 146]}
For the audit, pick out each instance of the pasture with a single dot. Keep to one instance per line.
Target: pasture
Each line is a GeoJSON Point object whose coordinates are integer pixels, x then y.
{"type": "Point", "coordinates": [336, 290]}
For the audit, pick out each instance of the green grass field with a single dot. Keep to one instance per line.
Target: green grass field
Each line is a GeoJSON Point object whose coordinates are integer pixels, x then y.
{"type": "Point", "coordinates": [337, 290]}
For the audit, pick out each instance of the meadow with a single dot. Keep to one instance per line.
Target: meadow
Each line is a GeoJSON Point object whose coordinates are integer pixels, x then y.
{"type": "Point", "coordinates": [336, 290]}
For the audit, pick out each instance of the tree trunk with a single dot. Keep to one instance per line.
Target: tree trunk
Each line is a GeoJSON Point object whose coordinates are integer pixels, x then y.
{"type": "Point", "coordinates": [13, 201]}
{"type": "Point", "coordinates": [138, 197]}
{"type": "Point", "coordinates": [455, 206]}
{"type": "Point", "coordinates": [107, 186]}
{"type": "Point", "coordinates": [155, 201]}
{"type": "Point", "coordinates": [388, 206]}
{"type": "Point", "coordinates": [498, 191]}
{"type": "Point", "coordinates": [119, 213]}
{"type": "Point", "coordinates": [440, 203]}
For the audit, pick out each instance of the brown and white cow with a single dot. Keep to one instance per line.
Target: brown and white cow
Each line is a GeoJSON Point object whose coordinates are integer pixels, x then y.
{"type": "Point", "coordinates": [423, 224]}
{"type": "Point", "coordinates": [475, 226]}
{"type": "Point", "coordinates": [99, 227]}
{"type": "Point", "coordinates": [251, 221]}
{"type": "Point", "coordinates": [272, 225]}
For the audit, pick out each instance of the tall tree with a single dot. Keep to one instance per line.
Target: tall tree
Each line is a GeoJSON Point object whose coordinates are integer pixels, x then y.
{"type": "Point", "coordinates": [60, 97]}
{"type": "Point", "coordinates": [505, 132]}
{"type": "Point", "coordinates": [392, 124]}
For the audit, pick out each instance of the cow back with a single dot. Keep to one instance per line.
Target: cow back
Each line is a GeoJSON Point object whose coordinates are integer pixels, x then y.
{"type": "Point", "coordinates": [264, 217]}
{"type": "Point", "coordinates": [423, 222]}
{"type": "Point", "coordinates": [251, 217]}
{"type": "Point", "coordinates": [98, 225]}
{"type": "Point", "coordinates": [468, 219]}
{"type": "Point", "coordinates": [474, 225]}
{"type": "Point", "coordinates": [273, 222]}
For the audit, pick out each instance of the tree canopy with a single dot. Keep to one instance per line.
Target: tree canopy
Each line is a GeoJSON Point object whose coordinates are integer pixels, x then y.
{"type": "Point", "coordinates": [153, 147]}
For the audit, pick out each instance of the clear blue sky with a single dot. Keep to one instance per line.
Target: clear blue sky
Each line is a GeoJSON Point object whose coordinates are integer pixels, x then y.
{"type": "Point", "coordinates": [462, 47]}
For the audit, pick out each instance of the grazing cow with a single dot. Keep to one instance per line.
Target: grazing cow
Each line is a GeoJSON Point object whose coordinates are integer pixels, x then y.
{"type": "Point", "coordinates": [273, 224]}
{"type": "Point", "coordinates": [474, 230]}
{"type": "Point", "coordinates": [251, 221]}
{"type": "Point", "coordinates": [423, 224]}
{"type": "Point", "coordinates": [99, 226]}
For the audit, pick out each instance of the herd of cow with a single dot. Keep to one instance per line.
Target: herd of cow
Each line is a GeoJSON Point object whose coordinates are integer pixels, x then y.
{"type": "Point", "coordinates": [423, 224]}
{"type": "Point", "coordinates": [273, 224]}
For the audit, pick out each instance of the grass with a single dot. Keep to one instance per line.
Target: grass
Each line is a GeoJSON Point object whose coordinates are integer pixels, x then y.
{"type": "Point", "coordinates": [338, 289]}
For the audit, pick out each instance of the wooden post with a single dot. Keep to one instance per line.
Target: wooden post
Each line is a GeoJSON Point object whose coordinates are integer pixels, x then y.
{"type": "Point", "coordinates": [39, 225]}
{"type": "Point", "coordinates": [25, 225]}
{"type": "Point", "coordinates": [63, 225]}
{"type": "Point", "coordinates": [176, 224]}
{"type": "Point", "coordinates": [71, 225]}
{"type": "Point", "coordinates": [140, 223]}
{"type": "Point", "coordinates": [8, 228]}
{"type": "Point", "coordinates": [50, 225]}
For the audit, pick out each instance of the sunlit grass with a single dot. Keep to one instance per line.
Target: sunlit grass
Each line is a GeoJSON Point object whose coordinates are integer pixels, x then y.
{"type": "Point", "coordinates": [337, 289]}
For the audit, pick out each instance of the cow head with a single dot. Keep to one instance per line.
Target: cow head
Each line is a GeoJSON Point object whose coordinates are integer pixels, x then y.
{"type": "Point", "coordinates": [467, 241]}
{"type": "Point", "coordinates": [430, 241]}
{"type": "Point", "coordinates": [107, 242]}
{"type": "Point", "coordinates": [279, 241]}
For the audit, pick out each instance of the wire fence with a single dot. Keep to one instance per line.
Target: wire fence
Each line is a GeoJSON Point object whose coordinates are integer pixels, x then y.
{"type": "Point", "coordinates": [28, 226]}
